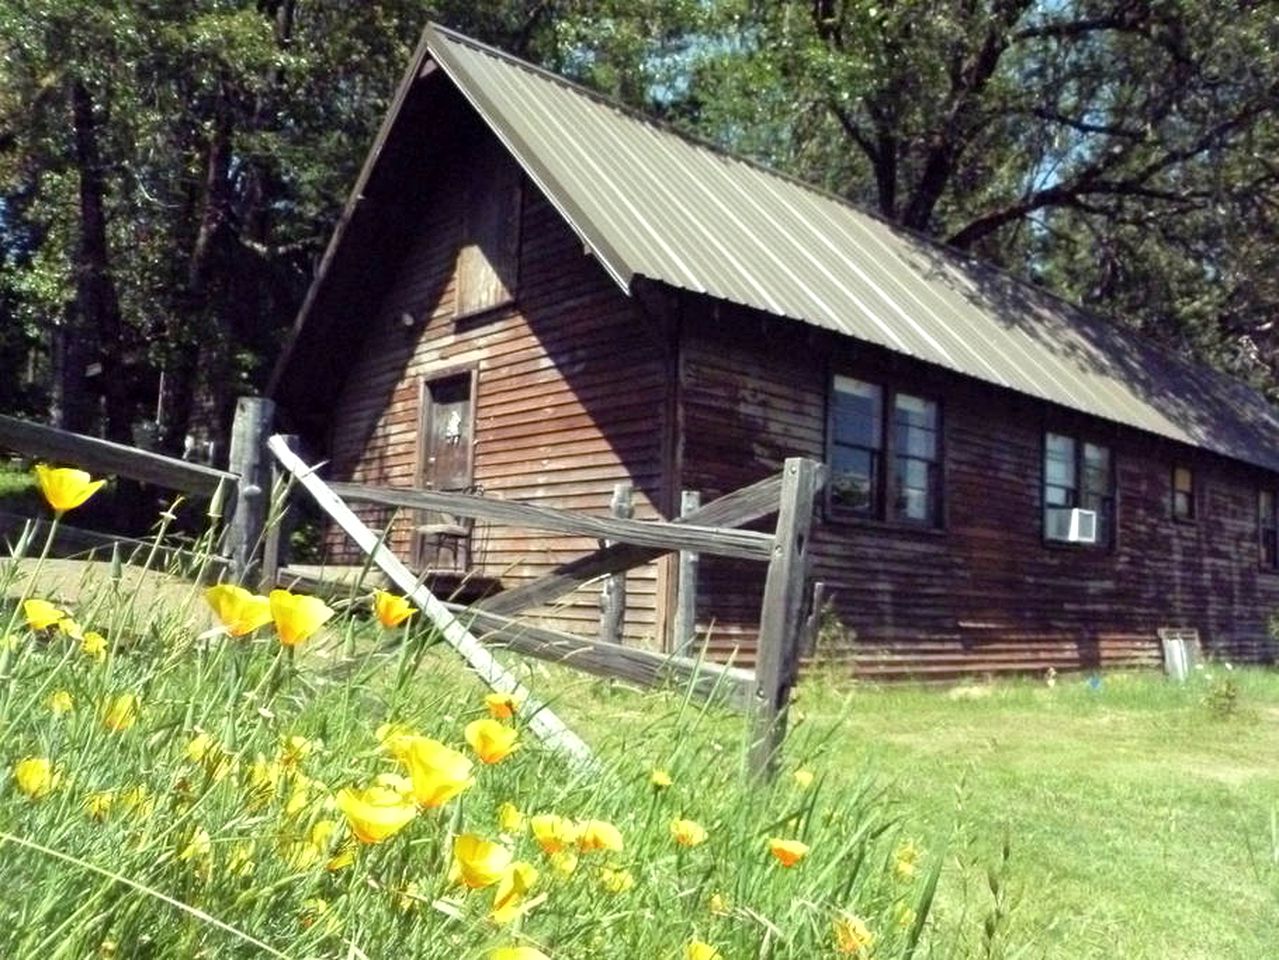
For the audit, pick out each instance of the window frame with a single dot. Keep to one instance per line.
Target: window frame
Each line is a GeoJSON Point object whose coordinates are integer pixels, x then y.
{"type": "Point", "coordinates": [1192, 514]}
{"type": "Point", "coordinates": [883, 510]}
{"type": "Point", "coordinates": [1082, 440]}
{"type": "Point", "coordinates": [1271, 565]}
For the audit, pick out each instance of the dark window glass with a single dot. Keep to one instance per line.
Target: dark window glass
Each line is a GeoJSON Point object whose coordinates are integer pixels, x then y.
{"type": "Point", "coordinates": [1267, 542]}
{"type": "Point", "coordinates": [1183, 493]}
{"type": "Point", "coordinates": [916, 474]}
{"type": "Point", "coordinates": [1098, 489]}
{"type": "Point", "coordinates": [856, 445]}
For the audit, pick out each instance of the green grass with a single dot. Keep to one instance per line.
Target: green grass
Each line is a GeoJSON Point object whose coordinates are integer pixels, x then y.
{"type": "Point", "coordinates": [1129, 819]}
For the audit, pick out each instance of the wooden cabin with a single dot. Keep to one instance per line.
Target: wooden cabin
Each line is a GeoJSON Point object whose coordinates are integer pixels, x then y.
{"type": "Point", "coordinates": [537, 294]}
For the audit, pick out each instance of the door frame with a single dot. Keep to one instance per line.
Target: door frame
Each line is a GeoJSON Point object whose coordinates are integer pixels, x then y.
{"type": "Point", "coordinates": [425, 411]}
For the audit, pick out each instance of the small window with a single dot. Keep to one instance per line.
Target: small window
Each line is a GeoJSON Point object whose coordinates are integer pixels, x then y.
{"type": "Point", "coordinates": [1183, 493]}
{"type": "Point", "coordinates": [856, 446]}
{"type": "Point", "coordinates": [1268, 536]}
{"type": "Point", "coordinates": [1077, 475]}
{"type": "Point", "coordinates": [488, 261]}
{"type": "Point", "coordinates": [885, 454]}
{"type": "Point", "coordinates": [915, 445]}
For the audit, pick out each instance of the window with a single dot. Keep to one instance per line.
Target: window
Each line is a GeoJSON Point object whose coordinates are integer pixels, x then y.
{"type": "Point", "coordinates": [1077, 475]}
{"type": "Point", "coordinates": [1183, 493]}
{"type": "Point", "coordinates": [1268, 536]}
{"type": "Point", "coordinates": [488, 261]}
{"type": "Point", "coordinates": [884, 454]}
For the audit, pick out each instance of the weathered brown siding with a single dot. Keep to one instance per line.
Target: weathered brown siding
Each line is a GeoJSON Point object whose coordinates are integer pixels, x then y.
{"type": "Point", "coordinates": [572, 393]}
{"type": "Point", "coordinates": [985, 592]}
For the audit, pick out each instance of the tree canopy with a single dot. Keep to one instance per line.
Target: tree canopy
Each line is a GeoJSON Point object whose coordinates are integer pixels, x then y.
{"type": "Point", "coordinates": [170, 171]}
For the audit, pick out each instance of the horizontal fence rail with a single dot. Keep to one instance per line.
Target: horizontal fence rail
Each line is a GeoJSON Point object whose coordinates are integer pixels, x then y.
{"type": "Point", "coordinates": [105, 456]}
{"type": "Point", "coordinates": [741, 544]}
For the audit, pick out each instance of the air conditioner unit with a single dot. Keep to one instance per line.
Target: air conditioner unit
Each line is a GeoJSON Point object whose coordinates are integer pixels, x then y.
{"type": "Point", "coordinates": [1071, 525]}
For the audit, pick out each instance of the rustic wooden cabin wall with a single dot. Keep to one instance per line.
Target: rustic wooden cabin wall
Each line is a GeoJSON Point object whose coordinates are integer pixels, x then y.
{"type": "Point", "coordinates": [983, 590]}
{"type": "Point", "coordinates": [569, 383]}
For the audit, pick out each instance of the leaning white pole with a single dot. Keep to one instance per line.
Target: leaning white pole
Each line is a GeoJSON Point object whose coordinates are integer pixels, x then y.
{"type": "Point", "coordinates": [545, 724]}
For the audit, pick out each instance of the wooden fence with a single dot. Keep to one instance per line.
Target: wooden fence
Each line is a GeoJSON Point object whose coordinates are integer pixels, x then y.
{"type": "Point", "coordinates": [714, 529]}
{"type": "Point", "coordinates": [241, 492]}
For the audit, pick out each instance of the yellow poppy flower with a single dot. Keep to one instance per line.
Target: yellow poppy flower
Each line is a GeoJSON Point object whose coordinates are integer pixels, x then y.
{"type": "Point", "coordinates": [510, 899]}
{"type": "Point", "coordinates": [616, 881]}
{"type": "Point", "coordinates": [69, 628]}
{"type": "Point", "coordinates": [396, 738]}
{"type": "Point", "coordinates": [787, 852]}
{"type": "Point", "coordinates": [517, 953]}
{"type": "Point", "coordinates": [390, 609]}
{"type": "Point", "coordinates": [688, 833]}
{"type": "Point", "coordinates": [42, 614]}
{"type": "Point", "coordinates": [660, 779]}
{"type": "Point", "coordinates": [138, 801]}
{"type": "Point", "coordinates": [121, 712]}
{"type": "Point", "coordinates": [376, 813]}
{"type": "Point", "coordinates": [94, 645]}
{"type": "Point", "coordinates": [438, 773]}
{"type": "Point", "coordinates": [198, 847]}
{"type": "Point", "coordinates": [263, 781]}
{"type": "Point", "coordinates": [297, 615]}
{"type": "Point", "coordinates": [503, 706]}
{"type": "Point", "coordinates": [852, 935]}
{"type": "Point", "coordinates": [65, 488]}
{"type": "Point", "coordinates": [552, 832]}
{"type": "Point", "coordinates": [61, 701]}
{"type": "Point", "coordinates": [238, 610]}
{"type": "Point", "coordinates": [803, 778]}
{"type": "Point", "coordinates": [701, 950]}
{"type": "Point", "coordinates": [491, 741]}
{"type": "Point", "coordinates": [509, 818]}
{"type": "Point", "coordinates": [479, 863]}
{"type": "Point", "coordinates": [98, 804]}
{"type": "Point", "coordinates": [294, 749]}
{"type": "Point", "coordinates": [34, 776]}
{"type": "Point", "coordinates": [718, 905]}
{"type": "Point", "coordinates": [903, 914]}
{"type": "Point", "coordinates": [906, 860]}
{"type": "Point", "coordinates": [599, 835]}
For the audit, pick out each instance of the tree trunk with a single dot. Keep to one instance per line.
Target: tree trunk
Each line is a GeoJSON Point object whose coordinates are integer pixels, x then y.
{"type": "Point", "coordinates": [96, 301]}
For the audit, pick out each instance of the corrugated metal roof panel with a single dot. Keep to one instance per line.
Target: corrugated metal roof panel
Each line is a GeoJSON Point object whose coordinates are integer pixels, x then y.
{"type": "Point", "coordinates": [652, 203]}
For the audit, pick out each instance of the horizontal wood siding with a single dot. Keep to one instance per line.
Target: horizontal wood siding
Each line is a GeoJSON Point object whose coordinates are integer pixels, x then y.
{"type": "Point", "coordinates": [572, 395]}
{"type": "Point", "coordinates": [985, 593]}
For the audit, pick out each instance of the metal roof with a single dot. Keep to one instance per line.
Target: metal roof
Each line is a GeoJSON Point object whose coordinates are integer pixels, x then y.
{"type": "Point", "coordinates": [652, 203]}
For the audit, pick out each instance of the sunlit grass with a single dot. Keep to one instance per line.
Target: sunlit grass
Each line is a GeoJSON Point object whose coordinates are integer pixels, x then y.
{"type": "Point", "coordinates": [202, 821]}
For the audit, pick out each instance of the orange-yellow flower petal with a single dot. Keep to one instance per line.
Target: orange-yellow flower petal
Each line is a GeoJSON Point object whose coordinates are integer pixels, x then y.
{"type": "Point", "coordinates": [391, 609]}
{"type": "Point", "coordinates": [438, 773]}
{"type": "Point", "coordinates": [688, 833]}
{"type": "Point", "coordinates": [491, 741]}
{"type": "Point", "coordinates": [660, 779]}
{"type": "Point", "coordinates": [509, 818]}
{"type": "Point", "coordinates": [517, 953]}
{"type": "Point", "coordinates": [34, 776]}
{"type": "Point", "coordinates": [787, 852]}
{"type": "Point", "coordinates": [376, 813]}
{"type": "Point", "coordinates": [552, 832]}
{"type": "Point", "coordinates": [852, 936]}
{"type": "Point", "coordinates": [121, 712]}
{"type": "Point", "coordinates": [599, 835]}
{"type": "Point", "coordinates": [701, 950]}
{"type": "Point", "coordinates": [42, 614]}
{"type": "Point", "coordinates": [237, 609]}
{"type": "Point", "coordinates": [65, 488]}
{"type": "Point", "coordinates": [511, 898]}
{"type": "Point", "coordinates": [94, 645]}
{"type": "Point", "coordinates": [297, 615]}
{"type": "Point", "coordinates": [61, 701]}
{"type": "Point", "coordinates": [478, 862]}
{"type": "Point", "coordinates": [502, 706]}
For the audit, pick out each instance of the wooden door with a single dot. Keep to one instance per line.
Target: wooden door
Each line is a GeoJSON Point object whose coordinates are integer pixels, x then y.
{"type": "Point", "coordinates": [446, 431]}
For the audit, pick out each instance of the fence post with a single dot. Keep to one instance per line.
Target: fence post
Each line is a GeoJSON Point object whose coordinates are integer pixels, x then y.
{"type": "Point", "coordinates": [248, 459]}
{"type": "Point", "coordinates": [686, 583]}
{"type": "Point", "coordinates": [275, 544]}
{"type": "Point", "coordinates": [782, 612]}
{"type": "Point", "coordinates": [613, 593]}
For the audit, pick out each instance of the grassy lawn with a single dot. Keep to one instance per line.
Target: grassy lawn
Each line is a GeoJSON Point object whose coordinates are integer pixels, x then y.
{"type": "Point", "coordinates": [1138, 823]}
